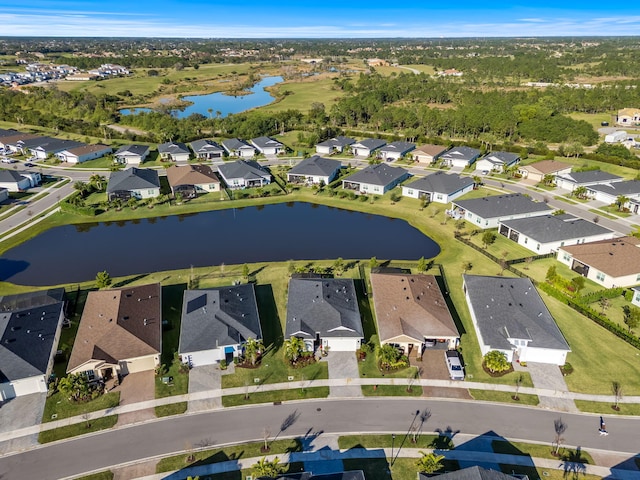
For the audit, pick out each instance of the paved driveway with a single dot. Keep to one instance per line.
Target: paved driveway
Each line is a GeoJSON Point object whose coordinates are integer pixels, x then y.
{"type": "Point", "coordinates": [549, 376]}
{"type": "Point", "coordinates": [21, 412]}
{"type": "Point", "coordinates": [343, 365]}
{"type": "Point", "coordinates": [137, 387]}
{"type": "Point", "coordinates": [432, 367]}
{"type": "Point", "coordinates": [201, 379]}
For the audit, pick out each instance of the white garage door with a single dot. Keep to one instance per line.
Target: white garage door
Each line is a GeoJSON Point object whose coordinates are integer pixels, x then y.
{"type": "Point", "coordinates": [343, 344]}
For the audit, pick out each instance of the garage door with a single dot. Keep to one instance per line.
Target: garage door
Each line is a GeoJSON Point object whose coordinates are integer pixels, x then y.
{"type": "Point", "coordinates": [343, 344]}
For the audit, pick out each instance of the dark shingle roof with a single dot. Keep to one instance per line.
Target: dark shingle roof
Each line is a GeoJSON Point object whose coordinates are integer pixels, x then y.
{"type": "Point", "coordinates": [628, 187]}
{"type": "Point", "coordinates": [10, 176]}
{"type": "Point", "coordinates": [502, 205]}
{"type": "Point", "coordinates": [173, 148]}
{"type": "Point", "coordinates": [441, 182]}
{"type": "Point", "coordinates": [316, 165]}
{"type": "Point", "coordinates": [461, 153]}
{"type": "Point", "coordinates": [505, 158]}
{"type": "Point", "coordinates": [471, 473]}
{"type": "Point", "coordinates": [132, 149]}
{"type": "Point", "coordinates": [590, 176]}
{"type": "Point", "coordinates": [133, 179]}
{"type": "Point", "coordinates": [512, 308]}
{"type": "Point", "coordinates": [325, 305]}
{"type": "Point", "coordinates": [51, 145]}
{"type": "Point", "coordinates": [218, 317]}
{"type": "Point", "coordinates": [246, 169]}
{"type": "Point", "coordinates": [337, 142]}
{"type": "Point", "coordinates": [401, 147]}
{"type": "Point", "coordinates": [234, 144]}
{"type": "Point", "coordinates": [371, 143]}
{"type": "Point", "coordinates": [380, 174]}
{"type": "Point", "coordinates": [555, 228]}
{"type": "Point", "coordinates": [205, 146]}
{"type": "Point", "coordinates": [265, 142]}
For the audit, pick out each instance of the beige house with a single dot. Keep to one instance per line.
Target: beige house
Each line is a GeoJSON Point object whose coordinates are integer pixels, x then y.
{"type": "Point", "coordinates": [428, 153]}
{"type": "Point", "coordinates": [190, 180]}
{"type": "Point", "coordinates": [628, 116]}
{"type": "Point", "coordinates": [537, 171]}
{"type": "Point", "coordinates": [411, 312]}
{"type": "Point", "coordinates": [120, 332]}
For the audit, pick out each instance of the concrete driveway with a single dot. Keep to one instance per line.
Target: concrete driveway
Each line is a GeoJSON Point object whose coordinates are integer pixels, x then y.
{"type": "Point", "coordinates": [21, 412]}
{"type": "Point", "coordinates": [343, 365]}
{"type": "Point", "coordinates": [137, 387]}
{"type": "Point", "coordinates": [544, 375]}
{"type": "Point", "coordinates": [201, 379]}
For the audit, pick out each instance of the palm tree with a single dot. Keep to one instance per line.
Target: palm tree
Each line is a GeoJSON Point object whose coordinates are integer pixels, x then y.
{"type": "Point", "coordinates": [429, 462]}
{"type": "Point", "coordinates": [580, 192]}
{"type": "Point", "coordinates": [97, 181]}
{"type": "Point", "coordinates": [252, 350]}
{"type": "Point", "coordinates": [80, 186]}
{"type": "Point", "coordinates": [387, 356]}
{"type": "Point", "coordinates": [293, 349]}
{"type": "Point", "coordinates": [621, 201]}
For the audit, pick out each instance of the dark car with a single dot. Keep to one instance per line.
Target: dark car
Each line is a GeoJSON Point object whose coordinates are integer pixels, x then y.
{"type": "Point", "coordinates": [29, 164]}
{"type": "Point", "coordinates": [604, 124]}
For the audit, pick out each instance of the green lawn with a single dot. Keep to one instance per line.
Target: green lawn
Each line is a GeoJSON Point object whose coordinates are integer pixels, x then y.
{"type": "Point", "coordinates": [61, 407]}
{"type": "Point", "coordinates": [538, 451]}
{"type": "Point", "coordinates": [391, 391]}
{"type": "Point", "coordinates": [274, 396]}
{"type": "Point", "coordinates": [106, 475]}
{"type": "Point", "coordinates": [605, 407]}
{"type": "Point", "coordinates": [77, 429]}
{"type": "Point", "coordinates": [504, 397]}
{"type": "Point", "coordinates": [303, 93]}
{"type": "Point", "coordinates": [171, 409]}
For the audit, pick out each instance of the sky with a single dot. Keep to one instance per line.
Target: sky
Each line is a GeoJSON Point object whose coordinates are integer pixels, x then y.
{"type": "Point", "coordinates": [315, 18]}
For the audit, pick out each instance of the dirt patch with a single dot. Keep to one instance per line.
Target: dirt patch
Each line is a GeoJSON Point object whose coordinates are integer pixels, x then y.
{"type": "Point", "coordinates": [121, 129]}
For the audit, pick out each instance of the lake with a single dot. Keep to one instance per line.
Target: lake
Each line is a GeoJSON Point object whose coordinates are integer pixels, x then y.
{"type": "Point", "coordinates": [221, 102]}
{"type": "Point", "coordinates": [271, 233]}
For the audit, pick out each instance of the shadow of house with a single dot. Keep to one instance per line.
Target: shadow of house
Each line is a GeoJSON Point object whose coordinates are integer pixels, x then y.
{"type": "Point", "coordinates": [473, 453]}
{"type": "Point", "coordinates": [272, 333]}
{"type": "Point", "coordinates": [627, 468]}
{"type": "Point", "coordinates": [172, 296]}
{"type": "Point", "coordinates": [217, 463]}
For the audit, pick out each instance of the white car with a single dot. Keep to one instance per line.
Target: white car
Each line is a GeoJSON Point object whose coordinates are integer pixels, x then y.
{"type": "Point", "coordinates": [452, 357]}
{"type": "Point", "coordinates": [8, 160]}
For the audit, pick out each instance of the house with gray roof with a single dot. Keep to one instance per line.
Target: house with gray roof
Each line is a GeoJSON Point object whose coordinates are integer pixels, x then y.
{"type": "Point", "coordinates": [395, 150]}
{"type": "Point", "coordinates": [174, 152]}
{"type": "Point", "coordinates": [334, 145]}
{"type": "Point", "coordinates": [609, 192]}
{"type": "Point", "coordinates": [4, 194]}
{"type": "Point", "coordinates": [216, 323]}
{"type": "Point", "coordinates": [207, 149]}
{"type": "Point", "coordinates": [131, 154]}
{"type": "Point", "coordinates": [547, 233]}
{"type": "Point", "coordinates": [30, 325]}
{"type": "Point", "coordinates": [366, 147]}
{"type": "Point", "coordinates": [238, 148]}
{"type": "Point", "coordinates": [14, 181]}
{"type": "Point", "coordinates": [488, 212]}
{"type": "Point", "coordinates": [440, 187]}
{"type": "Point", "coordinates": [473, 473]}
{"type": "Point", "coordinates": [572, 180]}
{"type": "Point", "coordinates": [244, 174]}
{"type": "Point", "coordinates": [83, 153]}
{"type": "Point", "coordinates": [133, 182]}
{"type": "Point", "coordinates": [314, 170]}
{"type": "Point", "coordinates": [268, 145]}
{"type": "Point", "coordinates": [324, 312]}
{"type": "Point", "coordinates": [460, 157]}
{"type": "Point", "coordinates": [509, 315]}
{"type": "Point", "coordinates": [375, 179]}
{"type": "Point", "coordinates": [497, 161]}
{"type": "Point", "coordinates": [44, 147]}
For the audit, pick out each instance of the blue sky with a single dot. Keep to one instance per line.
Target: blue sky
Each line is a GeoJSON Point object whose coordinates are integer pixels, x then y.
{"type": "Point", "coordinates": [314, 18]}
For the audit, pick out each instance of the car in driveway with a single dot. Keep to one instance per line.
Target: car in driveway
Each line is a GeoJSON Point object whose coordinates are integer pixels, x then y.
{"type": "Point", "coordinates": [454, 365]}
{"type": "Point", "coordinates": [29, 164]}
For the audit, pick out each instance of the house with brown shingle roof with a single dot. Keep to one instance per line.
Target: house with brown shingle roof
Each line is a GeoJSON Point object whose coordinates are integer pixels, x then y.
{"type": "Point", "coordinates": [628, 116]}
{"type": "Point", "coordinates": [428, 153]}
{"type": "Point", "coordinates": [120, 332]}
{"type": "Point", "coordinates": [84, 153]}
{"type": "Point", "coordinates": [189, 180]}
{"type": "Point", "coordinates": [537, 171]}
{"type": "Point", "coordinates": [411, 311]}
{"type": "Point", "coordinates": [610, 263]}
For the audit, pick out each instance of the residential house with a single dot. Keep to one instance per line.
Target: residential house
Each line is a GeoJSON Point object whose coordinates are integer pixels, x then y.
{"type": "Point", "coordinates": [375, 179]}
{"type": "Point", "coordinates": [131, 154]}
{"type": "Point", "coordinates": [508, 315]}
{"type": "Point", "coordinates": [190, 180]}
{"type": "Point", "coordinates": [488, 212]}
{"type": "Point", "coordinates": [609, 192]}
{"type": "Point", "coordinates": [83, 153]}
{"type": "Point", "coordinates": [120, 332]}
{"type": "Point", "coordinates": [366, 147]}
{"type": "Point", "coordinates": [238, 148]}
{"type": "Point", "coordinates": [314, 170]}
{"type": "Point", "coordinates": [30, 325]}
{"type": "Point", "coordinates": [497, 162]}
{"type": "Point", "coordinates": [324, 312]}
{"type": "Point", "coordinates": [460, 157]}
{"type": "Point", "coordinates": [14, 181]}
{"type": "Point", "coordinates": [174, 152]}
{"type": "Point", "coordinates": [395, 150]}
{"type": "Point", "coordinates": [537, 171]}
{"type": "Point", "coordinates": [268, 146]}
{"type": "Point", "coordinates": [10, 142]}
{"type": "Point", "coordinates": [244, 174]}
{"type": "Point", "coordinates": [411, 312]}
{"type": "Point", "coordinates": [473, 473]}
{"type": "Point", "coordinates": [610, 263]}
{"type": "Point", "coordinates": [216, 323]}
{"type": "Point", "coordinates": [635, 299]}
{"type": "Point", "coordinates": [572, 180]}
{"type": "Point", "coordinates": [346, 475]}
{"type": "Point", "coordinates": [207, 149]}
{"type": "Point", "coordinates": [44, 147]}
{"type": "Point", "coordinates": [439, 187]}
{"type": "Point", "coordinates": [334, 145]}
{"type": "Point", "coordinates": [4, 194]}
{"type": "Point", "coordinates": [628, 116]}
{"type": "Point", "coordinates": [133, 182]}
{"type": "Point", "coordinates": [547, 233]}
{"type": "Point", "coordinates": [428, 153]}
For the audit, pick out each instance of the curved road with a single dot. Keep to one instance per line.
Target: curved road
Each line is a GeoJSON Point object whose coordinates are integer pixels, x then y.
{"type": "Point", "coordinates": [174, 434]}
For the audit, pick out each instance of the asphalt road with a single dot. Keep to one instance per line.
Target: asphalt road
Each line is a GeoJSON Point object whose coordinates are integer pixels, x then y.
{"type": "Point", "coordinates": [175, 434]}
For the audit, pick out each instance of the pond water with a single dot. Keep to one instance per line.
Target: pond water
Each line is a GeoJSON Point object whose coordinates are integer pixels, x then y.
{"type": "Point", "coordinates": [221, 102]}
{"type": "Point", "coordinates": [281, 232]}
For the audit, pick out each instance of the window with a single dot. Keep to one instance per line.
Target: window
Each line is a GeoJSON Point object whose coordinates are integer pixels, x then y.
{"type": "Point", "coordinates": [566, 257]}
{"type": "Point", "coordinates": [638, 278]}
{"type": "Point", "coordinates": [90, 374]}
{"type": "Point", "coordinates": [409, 192]}
{"type": "Point", "coordinates": [526, 239]}
{"type": "Point", "coordinates": [600, 276]}
{"type": "Point", "coordinates": [439, 196]}
{"type": "Point", "coordinates": [562, 244]}
{"type": "Point", "coordinates": [149, 192]}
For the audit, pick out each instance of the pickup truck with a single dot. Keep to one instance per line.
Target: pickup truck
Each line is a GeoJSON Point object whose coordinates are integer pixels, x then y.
{"type": "Point", "coordinates": [452, 357]}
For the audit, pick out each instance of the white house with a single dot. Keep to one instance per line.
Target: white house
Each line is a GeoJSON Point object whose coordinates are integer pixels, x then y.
{"type": "Point", "coordinates": [207, 149]}
{"type": "Point", "coordinates": [497, 161]}
{"type": "Point", "coordinates": [628, 116]}
{"type": "Point", "coordinates": [609, 192]}
{"type": "Point", "coordinates": [238, 148]}
{"type": "Point", "coordinates": [4, 194]}
{"type": "Point", "coordinates": [488, 212]}
{"type": "Point", "coordinates": [572, 180]}
{"type": "Point", "coordinates": [428, 153]}
{"type": "Point", "coordinates": [324, 312]}
{"type": "Point", "coordinates": [375, 179]}
{"type": "Point", "coordinates": [547, 233]}
{"type": "Point", "coordinates": [216, 323]}
{"type": "Point", "coordinates": [131, 154]}
{"type": "Point", "coordinates": [366, 147]}
{"type": "Point", "coordinates": [438, 187]}
{"type": "Point", "coordinates": [14, 181]}
{"type": "Point", "coordinates": [44, 147]}
{"type": "Point", "coordinates": [636, 296]}
{"type": "Point", "coordinates": [460, 157]}
{"type": "Point", "coordinates": [133, 182]}
{"type": "Point", "coordinates": [83, 153]}
{"type": "Point", "coordinates": [268, 145]}
{"type": "Point", "coordinates": [508, 315]}
{"type": "Point", "coordinates": [244, 174]}
{"type": "Point", "coordinates": [610, 263]}
{"type": "Point", "coordinates": [395, 150]}
{"type": "Point", "coordinates": [314, 170]}
{"type": "Point", "coordinates": [174, 152]}
{"type": "Point", "coordinates": [334, 145]}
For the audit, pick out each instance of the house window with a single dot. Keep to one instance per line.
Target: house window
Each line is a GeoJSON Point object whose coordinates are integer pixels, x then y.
{"type": "Point", "coordinates": [638, 297]}
{"type": "Point", "coordinates": [439, 196]}
{"type": "Point", "coordinates": [478, 220]}
{"type": "Point", "coordinates": [566, 257]}
{"type": "Point", "coordinates": [562, 244]}
{"type": "Point", "coordinates": [638, 278]}
{"type": "Point", "coordinates": [538, 247]}
{"type": "Point", "coordinates": [409, 192]}
{"type": "Point", "coordinates": [525, 240]}
{"type": "Point", "coordinates": [90, 374]}
{"type": "Point", "coordinates": [600, 276]}
{"type": "Point", "coordinates": [149, 192]}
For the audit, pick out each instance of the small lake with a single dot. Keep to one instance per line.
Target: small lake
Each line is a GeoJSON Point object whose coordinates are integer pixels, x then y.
{"type": "Point", "coordinates": [221, 102]}
{"type": "Point", "coordinates": [271, 233]}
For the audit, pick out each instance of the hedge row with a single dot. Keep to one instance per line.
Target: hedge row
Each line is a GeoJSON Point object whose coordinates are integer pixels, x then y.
{"type": "Point", "coordinates": [595, 296]}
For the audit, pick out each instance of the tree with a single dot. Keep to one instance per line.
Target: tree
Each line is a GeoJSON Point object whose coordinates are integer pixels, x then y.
{"type": "Point", "coordinates": [267, 468]}
{"type": "Point", "coordinates": [97, 181]}
{"type": "Point", "coordinates": [548, 180]}
{"type": "Point", "coordinates": [560, 427]}
{"type": "Point", "coordinates": [578, 283]}
{"type": "Point", "coordinates": [621, 201]}
{"type": "Point", "coordinates": [488, 238]}
{"type": "Point", "coordinates": [294, 347]}
{"type": "Point", "coordinates": [338, 266]}
{"type": "Point", "coordinates": [631, 317]}
{"type": "Point", "coordinates": [580, 192]}
{"type": "Point", "coordinates": [373, 263]}
{"type": "Point", "coordinates": [388, 356]}
{"type": "Point", "coordinates": [103, 279]}
{"type": "Point", "coordinates": [518, 381]}
{"type": "Point", "coordinates": [429, 462]}
{"type": "Point", "coordinates": [75, 387]}
{"type": "Point", "coordinates": [422, 265]}
{"type": "Point", "coordinates": [604, 303]}
{"type": "Point", "coordinates": [252, 350]}
{"type": "Point", "coordinates": [245, 270]}
{"type": "Point", "coordinates": [616, 389]}
{"type": "Point", "coordinates": [466, 266]}
{"type": "Point", "coordinates": [551, 274]}
{"type": "Point", "coordinates": [81, 187]}
{"type": "Point", "coordinates": [496, 361]}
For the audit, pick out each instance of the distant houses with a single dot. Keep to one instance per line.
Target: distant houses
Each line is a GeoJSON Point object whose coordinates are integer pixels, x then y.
{"type": "Point", "coordinates": [572, 180]}
{"type": "Point", "coordinates": [238, 148]}
{"type": "Point", "coordinates": [395, 150]}
{"type": "Point", "coordinates": [536, 172]}
{"type": "Point", "coordinates": [460, 157]}
{"type": "Point", "coordinates": [497, 162]}
{"type": "Point", "coordinates": [174, 152]}
{"type": "Point", "coordinates": [334, 145]}
{"type": "Point", "coordinates": [268, 145]}
{"type": "Point", "coordinates": [84, 153]}
{"type": "Point", "coordinates": [366, 147]}
{"type": "Point", "coordinates": [428, 154]}
{"type": "Point", "coordinates": [244, 174]}
{"type": "Point", "coordinates": [628, 116]}
{"type": "Point", "coordinates": [207, 150]}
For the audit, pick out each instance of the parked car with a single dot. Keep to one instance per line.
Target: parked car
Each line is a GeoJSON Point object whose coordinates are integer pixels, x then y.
{"type": "Point", "coordinates": [604, 124]}
{"type": "Point", "coordinates": [452, 357]}
{"type": "Point", "coordinates": [8, 160]}
{"type": "Point", "coordinates": [430, 342]}
{"type": "Point", "coordinates": [29, 164]}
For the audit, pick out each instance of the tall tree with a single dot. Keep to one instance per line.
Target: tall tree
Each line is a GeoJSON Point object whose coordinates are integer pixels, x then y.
{"type": "Point", "coordinates": [103, 279]}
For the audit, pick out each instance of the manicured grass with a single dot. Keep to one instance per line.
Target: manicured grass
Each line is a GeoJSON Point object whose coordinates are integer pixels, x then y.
{"type": "Point", "coordinates": [537, 270]}
{"type": "Point", "coordinates": [424, 440]}
{"type": "Point", "coordinates": [605, 407]}
{"type": "Point", "coordinates": [275, 396]}
{"type": "Point", "coordinates": [501, 248]}
{"type": "Point", "coordinates": [504, 397]}
{"type": "Point", "coordinates": [77, 429]}
{"type": "Point", "coordinates": [544, 473]}
{"type": "Point", "coordinates": [615, 212]}
{"type": "Point", "coordinates": [391, 391]}
{"type": "Point", "coordinates": [233, 452]}
{"type": "Point", "coordinates": [304, 93]}
{"type": "Point", "coordinates": [106, 475]}
{"type": "Point", "coordinates": [603, 214]}
{"type": "Point", "coordinates": [538, 451]}
{"type": "Point", "coordinates": [171, 409]}
{"type": "Point", "coordinates": [274, 369]}
{"type": "Point", "coordinates": [57, 404]}
{"type": "Point", "coordinates": [369, 369]}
